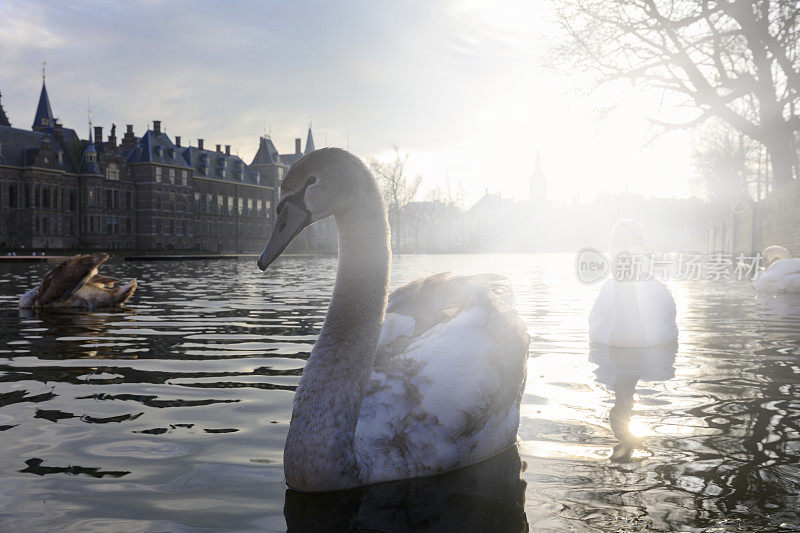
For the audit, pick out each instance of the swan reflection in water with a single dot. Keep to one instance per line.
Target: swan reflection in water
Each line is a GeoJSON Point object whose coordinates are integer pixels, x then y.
{"type": "Point", "coordinates": [55, 325]}
{"type": "Point", "coordinates": [487, 496]}
{"type": "Point", "coordinates": [619, 370]}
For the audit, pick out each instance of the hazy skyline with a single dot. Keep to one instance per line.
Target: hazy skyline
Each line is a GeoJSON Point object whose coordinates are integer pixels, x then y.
{"type": "Point", "coordinates": [461, 86]}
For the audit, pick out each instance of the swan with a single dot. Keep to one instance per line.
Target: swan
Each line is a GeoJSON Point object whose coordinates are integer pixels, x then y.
{"type": "Point", "coordinates": [782, 272]}
{"type": "Point", "coordinates": [434, 386]}
{"type": "Point", "coordinates": [632, 313]}
{"type": "Point", "coordinates": [76, 283]}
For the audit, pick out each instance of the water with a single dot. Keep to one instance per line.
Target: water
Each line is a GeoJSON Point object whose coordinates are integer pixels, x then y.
{"type": "Point", "coordinates": [171, 415]}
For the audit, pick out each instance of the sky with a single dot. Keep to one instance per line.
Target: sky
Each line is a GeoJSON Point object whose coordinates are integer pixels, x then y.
{"type": "Point", "coordinates": [465, 88]}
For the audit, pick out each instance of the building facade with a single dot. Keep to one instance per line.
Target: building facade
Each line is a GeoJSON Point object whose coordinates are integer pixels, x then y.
{"type": "Point", "coordinates": [147, 192]}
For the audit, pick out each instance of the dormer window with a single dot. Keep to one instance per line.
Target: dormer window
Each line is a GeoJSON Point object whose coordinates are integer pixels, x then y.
{"type": "Point", "coordinates": [112, 172]}
{"type": "Point", "coordinates": [60, 156]}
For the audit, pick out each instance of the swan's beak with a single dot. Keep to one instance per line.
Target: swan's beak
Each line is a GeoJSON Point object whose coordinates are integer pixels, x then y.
{"type": "Point", "coordinates": [292, 219]}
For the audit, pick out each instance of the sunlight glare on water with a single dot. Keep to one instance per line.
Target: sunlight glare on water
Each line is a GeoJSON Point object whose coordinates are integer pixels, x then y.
{"type": "Point", "coordinates": [172, 414]}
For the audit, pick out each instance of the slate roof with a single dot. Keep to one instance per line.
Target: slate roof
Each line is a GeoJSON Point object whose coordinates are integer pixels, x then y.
{"type": "Point", "coordinates": [155, 147]}
{"type": "Point", "coordinates": [211, 164]}
{"type": "Point", "coordinates": [267, 154]}
{"type": "Point", "coordinates": [19, 147]}
{"type": "Point", "coordinates": [43, 111]}
{"type": "Point", "coordinates": [291, 159]}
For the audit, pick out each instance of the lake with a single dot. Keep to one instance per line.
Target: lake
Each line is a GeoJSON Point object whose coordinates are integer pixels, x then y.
{"type": "Point", "coordinates": [171, 414]}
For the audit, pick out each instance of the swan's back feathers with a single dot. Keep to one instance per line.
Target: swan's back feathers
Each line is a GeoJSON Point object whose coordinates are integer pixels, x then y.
{"type": "Point", "coordinates": [781, 276]}
{"type": "Point", "coordinates": [448, 378]}
{"type": "Point", "coordinates": [414, 308]}
{"type": "Point", "coordinates": [633, 314]}
{"type": "Point", "coordinates": [66, 279]}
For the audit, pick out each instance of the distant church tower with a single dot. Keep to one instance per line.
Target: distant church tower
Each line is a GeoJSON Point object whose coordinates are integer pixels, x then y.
{"type": "Point", "coordinates": [537, 191]}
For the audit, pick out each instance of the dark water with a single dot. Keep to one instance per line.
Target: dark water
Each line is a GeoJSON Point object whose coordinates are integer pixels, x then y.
{"type": "Point", "coordinates": [171, 415]}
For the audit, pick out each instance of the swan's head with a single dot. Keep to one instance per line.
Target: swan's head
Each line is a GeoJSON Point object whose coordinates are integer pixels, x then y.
{"type": "Point", "coordinates": [325, 182]}
{"type": "Point", "coordinates": [773, 254]}
{"type": "Point", "coordinates": [627, 237]}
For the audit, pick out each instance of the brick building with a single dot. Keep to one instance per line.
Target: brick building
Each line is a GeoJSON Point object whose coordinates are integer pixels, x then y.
{"type": "Point", "coordinates": [150, 192]}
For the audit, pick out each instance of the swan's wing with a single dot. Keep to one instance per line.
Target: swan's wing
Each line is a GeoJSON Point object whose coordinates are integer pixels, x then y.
{"type": "Point", "coordinates": [657, 311]}
{"type": "Point", "coordinates": [104, 282]}
{"type": "Point", "coordinates": [655, 300]}
{"type": "Point", "coordinates": [601, 317]}
{"type": "Point", "coordinates": [782, 276]}
{"type": "Point", "coordinates": [451, 397]}
{"type": "Point", "coordinates": [68, 277]}
{"type": "Point", "coordinates": [415, 308]}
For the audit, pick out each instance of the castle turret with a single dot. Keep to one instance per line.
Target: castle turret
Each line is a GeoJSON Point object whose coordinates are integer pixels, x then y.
{"type": "Point", "coordinates": [89, 164]}
{"type": "Point", "coordinates": [44, 114]}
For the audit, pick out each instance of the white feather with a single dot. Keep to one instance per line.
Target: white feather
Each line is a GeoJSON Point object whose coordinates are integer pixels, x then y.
{"type": "Point", "coordinates": [632, 314]}
{"type": "Point", "coordinates": [450, 399]}
{"type": "Point", "coordinates": [781, 276]}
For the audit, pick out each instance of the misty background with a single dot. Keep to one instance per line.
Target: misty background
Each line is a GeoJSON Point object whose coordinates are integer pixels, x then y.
{"type": "Point", "coordinates": [468, 89]}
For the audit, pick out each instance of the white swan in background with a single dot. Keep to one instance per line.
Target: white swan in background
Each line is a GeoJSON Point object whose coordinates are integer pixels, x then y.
{"type": "Point", "coordinates": [632, 313]}
{"type": "Point", "coordinates": [76, 283]}
{"type": "Point", "coordinates": [433, 387]}
{"type": "Point", "coordinates": [782, 272]}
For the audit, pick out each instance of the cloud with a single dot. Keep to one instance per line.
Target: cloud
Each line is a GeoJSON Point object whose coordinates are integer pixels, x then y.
{"type": "Point", "coordinates": [457, 83]}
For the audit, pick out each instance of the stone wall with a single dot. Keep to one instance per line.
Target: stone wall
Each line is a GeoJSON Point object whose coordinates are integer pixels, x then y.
{"type": "Point", "coordinates": [751, 227]}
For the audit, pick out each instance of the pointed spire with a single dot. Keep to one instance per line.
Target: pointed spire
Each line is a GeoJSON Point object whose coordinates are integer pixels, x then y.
{"type": "Point", "coordinates": [89, 112]}
{"type": "Point", "coordinates": [309, 140]}
{"type": "Point", "coordinates": [537, 192]}
{"type": "Point", "coordinates": [3, 118]}
{"type": "Point", "coordinates": [44, 114]}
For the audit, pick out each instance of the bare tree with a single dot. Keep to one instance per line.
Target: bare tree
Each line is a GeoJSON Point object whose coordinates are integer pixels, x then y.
{"type": "Point", "coordinates": [397, 189]}
{"type": "Point", "coordinates": [448, 194]}
{"type": "Point", "coordinates": [736, 60]}
{"type": "Point", "coordinates": [727, 164]}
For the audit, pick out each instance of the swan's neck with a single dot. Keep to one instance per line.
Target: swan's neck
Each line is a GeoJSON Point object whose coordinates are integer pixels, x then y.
{"type": "Point", "coordinates": [320, 447]}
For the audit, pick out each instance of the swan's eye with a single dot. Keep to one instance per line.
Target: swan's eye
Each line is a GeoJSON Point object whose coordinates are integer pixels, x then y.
{"type": "Point", "coordinates": [312, 180]}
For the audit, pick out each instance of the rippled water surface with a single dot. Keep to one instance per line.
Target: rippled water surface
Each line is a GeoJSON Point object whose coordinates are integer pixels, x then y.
{"type": "Point", "coordinates": [171, 414]}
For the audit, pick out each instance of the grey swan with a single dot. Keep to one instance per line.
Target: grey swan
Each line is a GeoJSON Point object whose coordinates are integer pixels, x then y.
{"type": "Point", "coordinates": [76, 283]}
{"type": "Point", "coordinates": [425, 382]}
